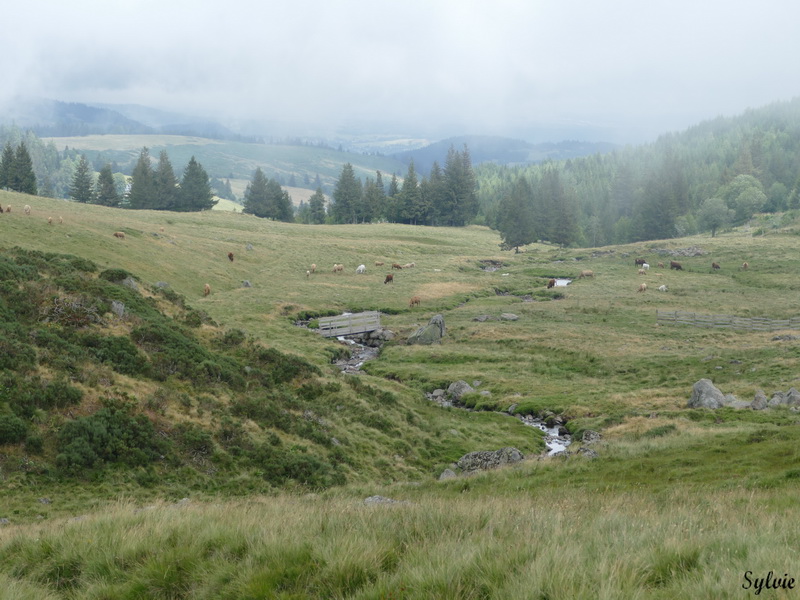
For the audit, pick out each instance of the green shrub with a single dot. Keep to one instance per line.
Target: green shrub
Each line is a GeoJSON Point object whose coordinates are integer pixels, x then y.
{"type": "Point", "coordinates": [12, 429]}
{"type": "Point", "coordinates": [119, 352]}
{"type": "Point", "coordinates": [115, 275]}
{"type": "Point", "coordinates": [111, 435]}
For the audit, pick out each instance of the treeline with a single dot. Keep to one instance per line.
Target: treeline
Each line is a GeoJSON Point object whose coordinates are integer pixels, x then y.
{"type": "Point", "coordinates": [448, 196]}
{"type": "Point", "coordinates": [16, 170]}
{"type": "Point", "coordinates": [714, 175]}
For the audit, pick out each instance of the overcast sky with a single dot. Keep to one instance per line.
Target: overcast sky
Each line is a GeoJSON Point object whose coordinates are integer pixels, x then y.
{"type": "Point", "coordinates": [616, 70]}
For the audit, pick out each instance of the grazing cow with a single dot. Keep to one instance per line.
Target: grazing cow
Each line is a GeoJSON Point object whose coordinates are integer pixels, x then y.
{"type": "Point", "coordinates": [551, 283]}
{"type": "Point", "coordinates": [313, 268]}
{"type": "Point", "coordinates": [389, 278]}
{"type": "Point", "coordinates": [119, 234]}
{"type": "Point", "coordinates": [308, 274]}
{"type": "Point", "coordinates": [585, 274]}
{"type": "Point", "coordinates": [639, 262]}
{"type": "Point", "coordinates": [642, 272]}
{"type": "Point", "coordinates": [744, 266]}
{"type": "Point", "coordinates": [27, 209]}
{"type": "Point", "coordinates": [675, 265]}
{"type": "Point", "coordinates": [49, 220]}
{"type": "Point", "coordinates": [361, 269]}
{"type": "Point", "coordinates": [397, 266]}
{"type": "Point", "coordinates": [206, 290]}
{"type": "Point", "coordinates": [230, 256]}
{"type": "Point", "coordinates": [337, 268]}
{"type": "Point", "coordinates": [60, 219]}
{"type": "Point", "coordinates": [715, 266]}
{"type": "Point", "coordinates": [410, 265]}
{"type": "Point", "coordinates": [645, 266]}
{"type": "Point", "coordinates": [662, 288]}
{"type": "Point", "coordinates": [415, 301]}
{"type": "Point", "coordinates": [643, 287]}
{"type": "Point", "coordinates": [660, 265]}
{"type": "Point", "coordinates": [378, 263]}
{"type": "Point", "coordinates": [161, 229]}
{"type": "Point", "coordinates": [8, 208]}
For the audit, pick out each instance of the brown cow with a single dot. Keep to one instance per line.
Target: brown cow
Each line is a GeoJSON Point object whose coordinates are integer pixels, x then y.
{"type": "Point", "coordinates": [415, 301]}
{"type": "Point", "coordinates": [206, 290]}
{"type": "Point", "coordinates": [313, 268]}
{"type": "Point", "coordinates": [230, 256]}
{"type": "Point", "coordinates": [715, 266]}
{"type": "Point", "coordinates": [639, 262]}
{"type": "Point", "coordinates": [397, 266]}
{"type": "Point", "coordinates": [389, 278]}
{"type": "Point", "coordinates": [551, 283]}
{"type": "Point", "coordinates": [378, 263]}
{"type": "Point", "coordinates": [660, 265]}
{"type": "Point", "coordinates": [675, 265]}
{"type": "Point", "coordinates": [119, 234]}
{"type": "Point", "coordinates": [642, 272]}
{"type": "Point", "coordinates": [8, 208]}
{"type": "Point", "coordinates": [585, 274]}
{"type": "Point", "coordinates": [744, 266]}
{"type": "Point", "coordinates": [643, 287]}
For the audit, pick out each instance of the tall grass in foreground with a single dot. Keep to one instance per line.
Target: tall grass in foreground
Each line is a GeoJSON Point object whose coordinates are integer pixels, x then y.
{"type": "Point", "coordinates": [547, 545]}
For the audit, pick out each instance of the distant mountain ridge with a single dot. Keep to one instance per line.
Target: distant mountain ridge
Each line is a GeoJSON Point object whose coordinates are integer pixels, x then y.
{"type": "Point", "coordinates": [501, 150]}
{"type": "Point", "coordinates": [54, 118]}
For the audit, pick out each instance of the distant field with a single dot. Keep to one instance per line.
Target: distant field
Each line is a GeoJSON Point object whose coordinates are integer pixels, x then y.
{"type": "Point", "coordinates": [235, 160]}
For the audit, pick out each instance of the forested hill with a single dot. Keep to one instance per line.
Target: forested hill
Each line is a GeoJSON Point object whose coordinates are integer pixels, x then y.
{"type": "Point", "coordinates": [500, 150]}
{"type": "Point", "coordinates": [718, 173]}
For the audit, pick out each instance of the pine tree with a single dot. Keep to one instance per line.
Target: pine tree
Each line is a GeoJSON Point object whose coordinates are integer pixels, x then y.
{"type": "Point", "coordinates": [346, 196]}
{"type": "Point", "coordinates": [195, 189]}
{"type": "Point", "coordinates": [106, 193]}
{"type": "Point", "coordinates": [410, 203]}
{"type": "Point", "coordinates": [7, 167]}
{"type": "Point", "coordinates": [23, 179]}
{"type": "Point", "coordinates": [142, 182]}
{"type": "Point", "coordinates": [255, 196]}
{"type": "Point", "coordinates": [460, 203]}
{"type": "Point", "coordinates": [165, 185]}
{"type": "Point", "coordinates": [279, 203]}
{"type": "Point", "coordinates": [316, 205]}
{"type": "Point", "coordinates": [81, 189]}
{"type": "Point", "coordinates": [516, 222]}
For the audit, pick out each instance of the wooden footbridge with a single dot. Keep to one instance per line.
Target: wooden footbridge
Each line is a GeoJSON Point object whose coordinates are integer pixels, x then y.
{"type": "Point", "coordinates": [349, 324]}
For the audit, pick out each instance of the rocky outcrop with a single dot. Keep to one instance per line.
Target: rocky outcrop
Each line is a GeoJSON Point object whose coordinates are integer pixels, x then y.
{"type": "Point", "coordinates": [484, 460]}
{"type": "Point", "coordinates": [706, 395]}
{"type": "Point", "coordinates": [432, 333]}
{"type": "Point", "coordinates": [373, 339]}
{"type": "Point", "coordinates": [457, 389]}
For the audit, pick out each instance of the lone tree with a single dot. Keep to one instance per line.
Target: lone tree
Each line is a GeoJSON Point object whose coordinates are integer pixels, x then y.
{"type": "Point", "coordinates": [81, 190]}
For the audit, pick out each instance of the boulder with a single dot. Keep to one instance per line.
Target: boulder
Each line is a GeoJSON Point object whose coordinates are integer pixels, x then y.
{"type": "Point", "coordinates": [483, 460]}
{"type": "Point", "coordinates": [760, 401]}
{"type": "Point", "coordinates": [508, 317]}
{"type": "Point", "coordinates": [431, 333]}
{"type": "Point", "coordinates": [590, 436]}
{"type": "Point", "coordinates": [458, 388]}
{"type": "Point", "coordinates": [706, 395]}
{"type": "Point", "coordinates": [447, 474]}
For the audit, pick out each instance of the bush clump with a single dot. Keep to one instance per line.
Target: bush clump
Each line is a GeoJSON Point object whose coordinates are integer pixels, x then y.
{"type": "Point", "coordinates": [12, 429]}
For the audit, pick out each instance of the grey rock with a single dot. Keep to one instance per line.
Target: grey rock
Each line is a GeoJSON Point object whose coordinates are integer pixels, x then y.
{"type": "Point", "coordinates": [162, 284]}
{"type": "Point", "coordinates": [447, 474]}
{"type": "Point", "coordinates": [760, 401]}
{"type": "Point", "coordinates": [590, 436]}
{"type": "Point", "coordinates": [458, 388]}
{"type": "Point", "coordinates": [118, 308]}
{"type": "Point", "coordinates": [483, 460]}
{"type": "Point", "coordinates": [706, 395]}
{"type": "Point", "coordinates": [508, 317]}
{"type": "Point", "coordinates": [380, 500]}
{"type": "Point", "coordinates": [587, 452]}
{"type": "Point", "coordinates": [246, 283]}
{"type": "Point", "coordinates": [431, 333]}
{"type": "Point", "coordinates": [131, 283]}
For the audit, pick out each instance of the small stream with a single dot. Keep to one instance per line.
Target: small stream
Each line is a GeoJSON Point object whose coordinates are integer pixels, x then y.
{"type": "Point", "coordinates": [556, 439]}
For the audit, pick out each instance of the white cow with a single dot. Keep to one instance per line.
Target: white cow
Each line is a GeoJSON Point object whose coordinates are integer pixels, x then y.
{"type": "Point", "coordinates": [361, 269]}
{"type": "Point", "coordinates": [645, 266]}
{"type": "Point", "coordinates": [662, 288]}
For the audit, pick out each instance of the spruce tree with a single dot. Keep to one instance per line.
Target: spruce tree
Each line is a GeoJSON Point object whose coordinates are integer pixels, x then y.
{"type": "Point", "coordinates": [316, 205]}
{"type": "Point", "coordinates": [81, 190]}
{"type": "Point", "coordinates": [165, 185]}
{"type": "Point", "coordinates": [346, 196]}
{"type": "Point", "coordinates": [106, 193]}
{"type": "Point", "coordinates": [7, 167]}
{"type": "Point", "coordinates": [195, 190]}
{"type": "Point", "coordinates": [142, 182]}
{"type": "Point", "coordinates": [23, 179]}
{"type": "Point", "coordinates": [515, 221]}
{"type": "Point", "coordinates": [255, 196]}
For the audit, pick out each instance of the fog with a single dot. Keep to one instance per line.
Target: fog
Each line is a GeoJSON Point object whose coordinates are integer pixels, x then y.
{"type": "Point", "coordinates": [623, 71]}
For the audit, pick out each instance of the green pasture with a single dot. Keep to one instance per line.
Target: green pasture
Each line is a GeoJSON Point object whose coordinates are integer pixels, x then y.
{"type": "Point", "coordinates": [680, 503]}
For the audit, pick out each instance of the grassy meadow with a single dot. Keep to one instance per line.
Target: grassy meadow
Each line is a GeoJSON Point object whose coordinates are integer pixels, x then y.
{"type": "Point", "coordinates": [680, 503]}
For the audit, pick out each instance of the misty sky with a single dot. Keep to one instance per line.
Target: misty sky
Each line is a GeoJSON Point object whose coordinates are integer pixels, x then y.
{"type": "Point", "coordinates": [615, 70]}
